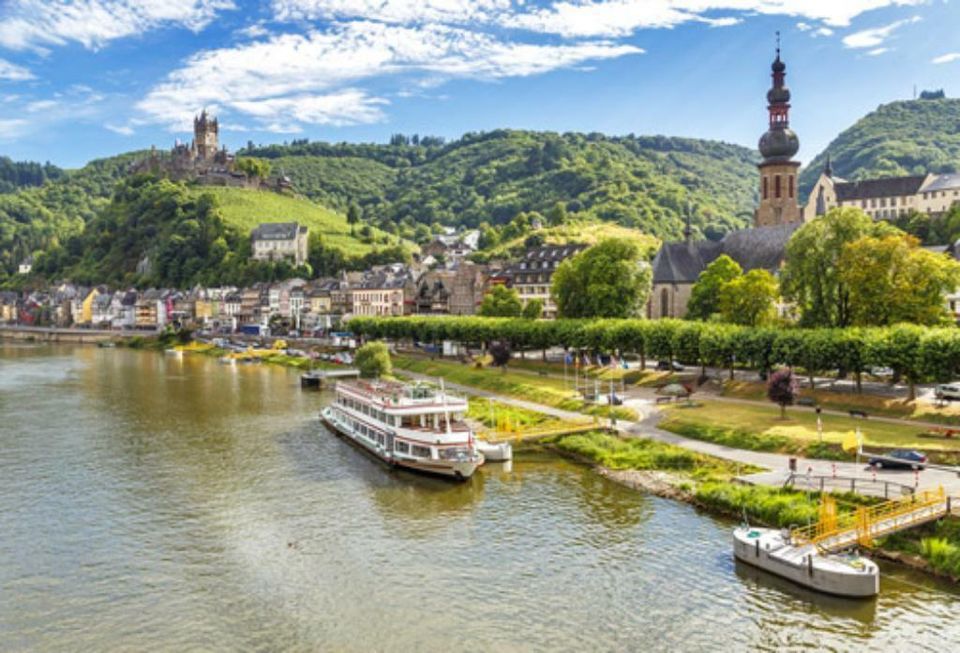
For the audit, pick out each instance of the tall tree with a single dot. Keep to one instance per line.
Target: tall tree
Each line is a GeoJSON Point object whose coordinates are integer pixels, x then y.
{"type": "Point", "coordinates": [533, 310]}
{"type": "Point", "coordinates": [749, 299]}
{"type": "Point", "coordinates": [609, 279]}
{"type": "Point", "coordinates": [810, 277]}
{"type": "Point", "coordinates": [501, 302]}
{"type": "Point", "coordinates": [891, 279]}
{"type": "Point", "coordinates": [705, 295]}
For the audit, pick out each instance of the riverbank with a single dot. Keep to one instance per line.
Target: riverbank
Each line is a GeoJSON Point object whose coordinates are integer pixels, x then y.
{"type": "Point", "coordinates": [709, 484]}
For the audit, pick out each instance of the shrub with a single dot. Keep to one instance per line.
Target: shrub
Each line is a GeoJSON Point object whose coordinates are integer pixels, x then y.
{"type": "Point", "coordinates": [373, 360]}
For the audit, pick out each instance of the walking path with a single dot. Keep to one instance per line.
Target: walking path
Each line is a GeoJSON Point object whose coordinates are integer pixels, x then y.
{"type": "Point", "coordinates": [778, 465]}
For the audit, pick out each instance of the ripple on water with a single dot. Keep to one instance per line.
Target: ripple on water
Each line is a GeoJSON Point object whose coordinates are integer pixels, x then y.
{"type": "Point", "coordinates": [155, 504]}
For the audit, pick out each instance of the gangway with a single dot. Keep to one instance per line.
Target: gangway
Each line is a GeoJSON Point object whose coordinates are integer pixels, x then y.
{"type": "Point", "coordinates": [836, 532]}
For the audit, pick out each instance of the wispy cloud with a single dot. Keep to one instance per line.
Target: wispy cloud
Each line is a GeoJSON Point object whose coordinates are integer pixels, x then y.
{"type": "Point", "coordinates": [12, 128]}
{"type": "Point", "coordinates": [40, 24]}
{"type": "Point", "coordinates": [876, 36]}
{"type": "Point", "coordinates": [123, 130]}
{"type": "Point", "coordinates": [14, 73]}
{"type": "Point", "coordinates": [946, 58]}
{"type": "Point", "coordinates": [311, 78]}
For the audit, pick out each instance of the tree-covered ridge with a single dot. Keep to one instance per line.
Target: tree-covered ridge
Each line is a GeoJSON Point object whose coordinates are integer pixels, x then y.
{"type": "Point", "coordinates": [640, 182]}
{"type": "Point", "coordinates": [23, 174]}
{"type": "Point", "coordinates": [910, 137]}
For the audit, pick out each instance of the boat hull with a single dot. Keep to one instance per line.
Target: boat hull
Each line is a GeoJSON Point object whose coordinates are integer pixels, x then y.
{"type": "Point", "coordinates": [804, 565]}
{"type": "Point", "coordinates": [459, 470]}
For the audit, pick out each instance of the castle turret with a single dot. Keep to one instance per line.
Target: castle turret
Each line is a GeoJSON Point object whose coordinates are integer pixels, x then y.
{"type": "Point", "coordinates": [778, 171]}
{"type": "Point", "coordinates": [205, 136]}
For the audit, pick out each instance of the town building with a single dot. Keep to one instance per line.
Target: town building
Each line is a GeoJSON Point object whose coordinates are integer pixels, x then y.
{"type": "Point", "coordinates": [276, 241]}
{"type": "Point", "coordinates": [885, 198]}
{"type": "Point", "coordinates": [386, 290]}
{"type": "Point", "coordinates": [26, 266]}
{"type": "Point", "coordinates": [678, 265]}
{"type": "Point", "coordinates": [532, 276]}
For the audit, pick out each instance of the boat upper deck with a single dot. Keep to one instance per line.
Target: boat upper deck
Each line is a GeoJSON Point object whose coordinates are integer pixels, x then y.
{"type": "Point", "coordinates": [399, 398]}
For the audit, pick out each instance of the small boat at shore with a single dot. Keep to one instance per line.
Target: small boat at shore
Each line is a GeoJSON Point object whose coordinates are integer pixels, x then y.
{"type": "Point", "coordinates": [847, 575]}
{"type": "Point", "coordinates": [414, 426]}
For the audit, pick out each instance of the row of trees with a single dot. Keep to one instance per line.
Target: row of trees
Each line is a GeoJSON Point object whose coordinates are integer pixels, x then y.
{"type": "Point", "coordinates": [914, 353]}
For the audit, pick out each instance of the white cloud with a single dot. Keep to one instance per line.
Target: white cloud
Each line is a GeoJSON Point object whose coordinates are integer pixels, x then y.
{"type": "Point", "coordinates": [874, 37]}
{"type": "Point", "coordinates": [392, 11]}
{"type": "Point", "coordinates": [11, 128]}
{"type": "Point", "coordinates": [14, 73]}
{"type": "Point", "coordinates": [41, 105]}
{"type": "Point", "coordinates": [39, 24]}
{"type": "Point", "coordinates": [877, 52]}
{"type": "Point", "coordinates": [310, 78]}
{"type": "Point", "coordinates": [123, 130]}
{"type": "Point", "coordinates": [946, 58]}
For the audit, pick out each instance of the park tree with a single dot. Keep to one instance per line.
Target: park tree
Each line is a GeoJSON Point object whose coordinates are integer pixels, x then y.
{"type": "Point", "coordinates": [501, 302]}
{"type": "Point", "coordinates": [533, 310]}
{"type": "Point", "coordinates": [749, 299]}
{"type": "Point", "coordinates": [782, 390]}
{"type": "Point", "coordinates": [373, 360]}
{"type": "Point", "coordinates": [810, 277]}
{"type": "Point", "coordinates": [705, 295]}
{"type": "Point", "coordinates": [892, 279]}
{"type": "Point", "coordinates": [609, 279]}
{"type": "Point", "coordinates": [557, 214]}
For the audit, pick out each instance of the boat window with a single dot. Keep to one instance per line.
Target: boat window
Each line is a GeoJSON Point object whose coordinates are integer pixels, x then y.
{"type": "Point", "coordinates": [380, 438]}
{"type": "Point", "coordinates": [421, 452]}
{"type": "Point", "coordinates": [401, 447]}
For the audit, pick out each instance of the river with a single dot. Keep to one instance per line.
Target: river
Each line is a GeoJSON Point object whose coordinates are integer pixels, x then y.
{"type": "Point", "coordinates": [156, 503]}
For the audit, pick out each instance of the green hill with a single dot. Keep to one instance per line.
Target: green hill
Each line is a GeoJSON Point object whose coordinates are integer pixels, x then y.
{"type": "Point", "coordinates": [909, 137]}
{"type": "Point", "coordinates": [245, 209]}
{"type": "Point", "coordinates": [639, 182]}
{"type": "Point", "coordinates": [587, 232]}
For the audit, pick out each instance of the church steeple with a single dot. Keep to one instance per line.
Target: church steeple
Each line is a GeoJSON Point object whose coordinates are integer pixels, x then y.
{"type": "Point", "coordinates": [778, 145]}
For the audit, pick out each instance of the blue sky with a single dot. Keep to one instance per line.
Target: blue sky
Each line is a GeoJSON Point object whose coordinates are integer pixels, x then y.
{"type": "Point", "coordinates": [80, 79]}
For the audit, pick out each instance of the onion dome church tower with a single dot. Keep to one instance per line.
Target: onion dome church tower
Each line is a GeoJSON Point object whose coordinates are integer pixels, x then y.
{"type": "Point", "coordinates": [778, 172]}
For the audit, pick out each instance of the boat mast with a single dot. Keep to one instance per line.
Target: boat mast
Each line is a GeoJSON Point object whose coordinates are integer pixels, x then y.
{"type": "Point", "coordinates": [443, 399]}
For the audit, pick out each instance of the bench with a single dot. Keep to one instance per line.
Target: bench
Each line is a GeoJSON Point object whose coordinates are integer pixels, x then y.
{"type": "Point", "coordinates": [664, 400]}
{"type": "Point", "coordinates": [862, 414]}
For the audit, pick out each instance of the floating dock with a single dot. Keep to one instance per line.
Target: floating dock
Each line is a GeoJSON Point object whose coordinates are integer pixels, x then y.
{"type": "Point", "coordinates": [316, 378]}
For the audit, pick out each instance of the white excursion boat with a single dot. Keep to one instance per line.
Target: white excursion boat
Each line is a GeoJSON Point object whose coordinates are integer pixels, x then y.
{"type": "Point", "coordinates": [839, 574]}
{"type": "Point", "coordinates": [415, 426]}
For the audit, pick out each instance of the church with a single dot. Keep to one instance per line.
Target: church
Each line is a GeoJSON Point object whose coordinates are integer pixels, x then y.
{"type": "Point", "coordinates": [677, 265]}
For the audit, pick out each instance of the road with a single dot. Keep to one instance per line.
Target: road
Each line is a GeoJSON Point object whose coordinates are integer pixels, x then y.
{"type": "Point", "coordinates": [777, 466]}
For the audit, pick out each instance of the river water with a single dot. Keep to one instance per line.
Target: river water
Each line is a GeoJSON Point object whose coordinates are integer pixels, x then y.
{"type": "Point", "coordinates": [156, 503]}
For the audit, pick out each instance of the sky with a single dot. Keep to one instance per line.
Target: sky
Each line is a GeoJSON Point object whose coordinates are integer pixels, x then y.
{"type": "Point", "coordinates": [82, 79]}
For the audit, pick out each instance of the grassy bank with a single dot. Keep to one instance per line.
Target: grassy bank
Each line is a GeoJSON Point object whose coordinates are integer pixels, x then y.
{"type": "Point", "coordinates": [545, 390]}
{"type": "Point", "coordinates": [843, 401]}
{"type": "Point", "coordinates": [496, 415]}
{"type": "Point", "coordinates": [938, 544]}
{"type": "Point", "coordinates": [760, 428]}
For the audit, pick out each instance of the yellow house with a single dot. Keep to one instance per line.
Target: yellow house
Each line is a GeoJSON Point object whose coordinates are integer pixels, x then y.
{"type": "Point", "coordinates": [203, 310]}
{"type": "Point", "coordinates": [86, 307]}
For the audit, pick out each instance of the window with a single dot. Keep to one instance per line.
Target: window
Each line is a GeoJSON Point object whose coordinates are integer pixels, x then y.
{"type": "Point", "coordinates": [790, 186]}
{"type": "Point", "coordinates": [664, 303]}
{"type": "Point", "coordinates": [401, 447]}
{"type": "Point", "coordinates": [420, 452]}
{"type": "Point", "coordinates": [766, 190]}
{"type": "Point", "coordinates": [776, 186]}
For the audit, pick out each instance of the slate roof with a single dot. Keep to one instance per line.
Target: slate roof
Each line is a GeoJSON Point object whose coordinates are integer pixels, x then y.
{"type": "Point", "coordinates": [757, 248]}
{"type": "Point", "coordinates": [944, 182]}
{"type": "Point", "coordinates": [876, 188]}
{"type": "Point", "coordinates": [277, 231]}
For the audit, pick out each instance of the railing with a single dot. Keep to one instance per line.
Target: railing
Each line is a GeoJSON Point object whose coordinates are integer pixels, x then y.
{"type": "Point", "coordinates": [834, 531]}
{"type": "Point", "coordinates": [870, 486]}
{"type": "Point", "coordinates": [501, 435]}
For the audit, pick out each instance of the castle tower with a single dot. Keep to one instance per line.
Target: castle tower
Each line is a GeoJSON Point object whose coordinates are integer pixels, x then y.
{"type": "Point", "coordinates": [205, 136]}
{"type": "Point", "coordinates": [778, 173]}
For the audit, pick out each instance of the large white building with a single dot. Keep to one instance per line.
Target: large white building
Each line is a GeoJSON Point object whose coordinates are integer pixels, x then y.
{"type": "Point", "coordinates": [276, 241]}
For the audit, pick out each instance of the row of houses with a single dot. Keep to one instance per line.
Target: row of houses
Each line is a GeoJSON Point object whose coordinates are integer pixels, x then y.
{"type": "Point", "coordinates": [454, 288]}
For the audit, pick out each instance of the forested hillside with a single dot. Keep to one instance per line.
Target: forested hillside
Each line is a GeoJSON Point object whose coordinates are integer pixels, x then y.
{"type": "Point", "coordinates": [901, 138]}
{"type": "Point", "coordinates": [22, 174]}
{"type": "Point", "coordinates": [640, 182]}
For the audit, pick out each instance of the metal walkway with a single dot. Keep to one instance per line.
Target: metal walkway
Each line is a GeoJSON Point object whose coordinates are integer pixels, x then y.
{"type": "Point", "coordinates": [837, 532]}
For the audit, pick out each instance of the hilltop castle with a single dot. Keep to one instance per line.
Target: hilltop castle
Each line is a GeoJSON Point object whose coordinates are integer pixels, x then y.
{"type": "Point", "coordinates": [204, 161]}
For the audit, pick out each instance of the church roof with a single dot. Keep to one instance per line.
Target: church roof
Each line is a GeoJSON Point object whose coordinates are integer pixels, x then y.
{"type": "Point", "coordinates": [756, 248]}
{"type": "Point", "coordinates": [875, 188]}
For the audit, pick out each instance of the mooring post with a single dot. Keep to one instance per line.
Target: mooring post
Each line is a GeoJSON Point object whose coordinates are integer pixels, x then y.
{"type": "Point", "coordinates": [810, 564]}
{"type": "Point", "coordinates": [757, 547]}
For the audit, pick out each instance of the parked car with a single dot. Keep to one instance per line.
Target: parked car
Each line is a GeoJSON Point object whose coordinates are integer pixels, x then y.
{"type": "Point", "coordinates": [880, 371]}
{"type": "Point", "coordinates": [904, 459]}
{"type": "Point", "coordinates": [669, 366]}
{"type": "Point", "coordinates": [615, 399]}
{"type": "Point", "coordinates": [948, 391]}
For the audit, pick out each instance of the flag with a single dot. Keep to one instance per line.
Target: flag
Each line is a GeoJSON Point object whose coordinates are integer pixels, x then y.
{"type": "Point", "coordinates": [850, 441]}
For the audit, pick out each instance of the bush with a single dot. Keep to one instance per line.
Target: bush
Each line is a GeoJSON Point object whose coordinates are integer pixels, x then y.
{"type": "Point", "coordinates": [373, 360]}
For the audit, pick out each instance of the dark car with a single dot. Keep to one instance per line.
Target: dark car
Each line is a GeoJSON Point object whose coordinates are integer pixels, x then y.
{"type": "Point", "coordinates": [900, 459]}
{"type": "Point", "coordinates": [669, 366]}
{"type": "Point", "coordinates": [615, 399]}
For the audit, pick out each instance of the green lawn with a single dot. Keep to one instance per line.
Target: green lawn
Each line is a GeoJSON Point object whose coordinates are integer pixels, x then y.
{"type": "Point", "coordinates": [246, 209]}
{"type": "Point", "coordinates": [744, 425]}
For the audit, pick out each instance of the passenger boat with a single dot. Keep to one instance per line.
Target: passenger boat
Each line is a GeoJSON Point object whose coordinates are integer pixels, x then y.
{"type": "Point", "coordinates": [839, 574]}
{"type": "Point", "coordinates": [414, 426]}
